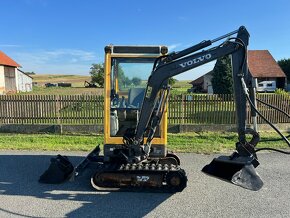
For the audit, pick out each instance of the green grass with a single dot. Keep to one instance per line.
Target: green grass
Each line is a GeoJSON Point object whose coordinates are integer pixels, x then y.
{"type": "Point", "coordinates": [180, 87]}
{"type": "Point", "coordinates": [205, 142]}
{"type": "Point", "coordinates": [42, 90]}
{"type": "Point", "coordinates": [215, 142]}
{"type": "Point", "coordinates": [77, 82]}
{"type": "Point", "coordinates": [49, 142]}
{"type": "Point", "coordinates": [41, 79]}
{"type": "Point", "coordinates": [182, 84]}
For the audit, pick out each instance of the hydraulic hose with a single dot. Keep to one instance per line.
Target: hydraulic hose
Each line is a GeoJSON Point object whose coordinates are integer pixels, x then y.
{"type": "Point", "coordinates": [258, 112]}
{"type": "Point", "coordinates": [274, 107]}
{"type": "Point", "coordinates": [267, 121]}
{"type": "Point", "coordinates": [274, 127]}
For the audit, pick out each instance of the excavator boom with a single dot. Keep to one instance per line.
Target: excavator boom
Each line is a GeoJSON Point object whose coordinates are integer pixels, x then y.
{"type": "Point", "coordinates": [177, 63]}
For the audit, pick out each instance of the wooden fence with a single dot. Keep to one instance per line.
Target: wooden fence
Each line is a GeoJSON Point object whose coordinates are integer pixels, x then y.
{"type": "Point", "coordinates": [220, 109]}
{"type": "Point", "coordinates": [51, 109]}
{"type": "Point", "coordinates": [88, 109]}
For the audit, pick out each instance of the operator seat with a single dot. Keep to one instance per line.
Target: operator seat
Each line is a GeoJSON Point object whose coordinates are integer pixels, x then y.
{"type": "Point", "coordinates": [114, 123]}
{"type": "Point", "coordinates": [121, 120]}
{"type": "Point", "coordinates": [135, 97]}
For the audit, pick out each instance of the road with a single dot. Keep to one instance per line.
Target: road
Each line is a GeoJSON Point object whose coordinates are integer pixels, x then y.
{"type": "Point", "coordinates": [22, 196]}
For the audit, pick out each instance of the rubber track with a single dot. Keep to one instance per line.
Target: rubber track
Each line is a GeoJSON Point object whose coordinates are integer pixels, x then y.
{"type": "Point", "coordinates": [139, 170]}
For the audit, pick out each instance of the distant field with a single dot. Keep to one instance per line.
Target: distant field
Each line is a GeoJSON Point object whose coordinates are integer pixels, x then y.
{"type": "Point", "coordinates": [77, 82]}
{"type": "Point", "coordinates": [182, 84]}
{"type": "Point", "coordinates": [41, 90]}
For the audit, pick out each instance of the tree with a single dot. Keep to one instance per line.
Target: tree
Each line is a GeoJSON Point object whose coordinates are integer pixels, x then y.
{"type": "Point", "coordinates": [30, 73]}
{"type": "Point", "coordinates": [285, 66]}
{"type": "Point", "coordinates": [123, 81]}
{"type": "Point", "coordinates": [97, 74]}
{"type": "Point", "coordinates": [222, 81]}
{"type": "Point", "coordinates": [136, 81]}
{"type": "Point", "coordinates": [127, 81]}
{"type": "Point", "coordinates": [172, 81]}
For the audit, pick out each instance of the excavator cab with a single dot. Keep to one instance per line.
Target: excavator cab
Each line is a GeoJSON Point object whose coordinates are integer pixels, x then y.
{"type": "Point", "coordinates": [127, 69]}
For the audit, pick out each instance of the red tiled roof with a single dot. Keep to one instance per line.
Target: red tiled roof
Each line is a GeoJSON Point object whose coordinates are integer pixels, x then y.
{"type": "Point", "coordinates": [262, 64]}
{"type": "Point", "coordinates": [197, 81]}
{"type": "Point", "coordinates": [7, 61]}
{"type": "Point", "coordinates": [200, 79]}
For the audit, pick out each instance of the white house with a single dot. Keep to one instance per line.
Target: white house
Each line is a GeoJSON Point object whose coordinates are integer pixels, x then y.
{"type": "Point", "coordinates": [262, 67]}
{"type": "Point", "coordinates": [24, 81]}
{"type": "Point", "coordinates": [202, 84]}
{"type": "Point", "coordinates": [12, 79]}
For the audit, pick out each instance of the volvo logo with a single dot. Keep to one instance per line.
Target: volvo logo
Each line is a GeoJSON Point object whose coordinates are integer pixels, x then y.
{"type": "Point", "coordinates": [196, 60]}
{"type": "Point", "coordinates": [143, 178]}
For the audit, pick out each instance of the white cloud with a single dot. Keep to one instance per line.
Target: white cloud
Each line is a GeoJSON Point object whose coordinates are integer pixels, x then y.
{"type": "Point", "coordinates": [77, 69]}
{"type": "Point", "coordinates": [9, 45]}
{"type": "Point", "coordinates": [173, 46]}
{"type": "Point", "coordinates": [77, 54]}
{"type": "Point", "coordinates": [64, 61]}
{"type": "Point", "coordinates": [75, 61]}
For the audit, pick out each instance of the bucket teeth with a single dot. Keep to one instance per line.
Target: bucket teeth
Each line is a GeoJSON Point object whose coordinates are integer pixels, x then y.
{"type": "Point", "coordinates": [248, 178]}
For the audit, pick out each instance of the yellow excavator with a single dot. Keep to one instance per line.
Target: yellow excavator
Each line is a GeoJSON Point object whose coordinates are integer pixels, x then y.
{"type": "Point", "coordinates": [135, 157]}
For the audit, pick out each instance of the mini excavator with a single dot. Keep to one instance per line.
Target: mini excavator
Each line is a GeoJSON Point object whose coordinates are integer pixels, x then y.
{"type": "Point", "coordinates": [135, 120]}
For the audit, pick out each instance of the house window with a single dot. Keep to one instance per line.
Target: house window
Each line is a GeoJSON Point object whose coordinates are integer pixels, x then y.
{"type": "Point", "coordinates": [9, 72]}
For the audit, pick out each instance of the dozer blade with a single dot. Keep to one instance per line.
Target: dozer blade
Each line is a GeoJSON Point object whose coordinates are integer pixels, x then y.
{"type": "Point", "coordinates": [239, 171]}
{"type": "Point", "coordinates": [59, 170]}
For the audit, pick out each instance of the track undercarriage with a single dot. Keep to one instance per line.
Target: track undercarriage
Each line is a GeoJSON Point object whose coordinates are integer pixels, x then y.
{"type": "Point", "coordinates": [151, 175]}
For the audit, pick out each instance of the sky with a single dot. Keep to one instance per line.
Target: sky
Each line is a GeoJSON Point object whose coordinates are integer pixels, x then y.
{"type": "Point", "coordinates": [67, 36]}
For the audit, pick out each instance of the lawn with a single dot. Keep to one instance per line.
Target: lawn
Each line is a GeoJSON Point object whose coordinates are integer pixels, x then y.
{"type": "Point", "coordinates": [77, 82]}
{"type": "Point", "coordinates": [42, 90]}
{"type": "Point", "coordinates": [180, 87]}
{"type": "Point", "coordinates": [205, 142]}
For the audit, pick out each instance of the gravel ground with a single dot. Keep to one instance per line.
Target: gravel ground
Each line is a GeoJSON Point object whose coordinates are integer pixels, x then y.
{"type": "Point", "coordinates": [22, 196]}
